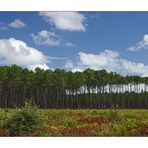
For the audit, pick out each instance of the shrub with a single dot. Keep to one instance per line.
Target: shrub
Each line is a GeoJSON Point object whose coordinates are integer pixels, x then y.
{"type": "Point", "coordinates": [69, 122]}
{"type": "Point", "coordinates": [4, 116]}
{"type": "Point", "coordinates": [26, 120]}
{"type": "Point", "coordinates": [94, 112]}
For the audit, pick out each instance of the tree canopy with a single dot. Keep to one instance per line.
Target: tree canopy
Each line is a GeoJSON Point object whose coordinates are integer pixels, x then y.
{"type": "Point", "coordinates": [65, 89]}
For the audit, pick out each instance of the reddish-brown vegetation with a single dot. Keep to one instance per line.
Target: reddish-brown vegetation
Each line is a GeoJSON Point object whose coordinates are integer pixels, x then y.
{"type": "Point", "coordinates": [90, 123]}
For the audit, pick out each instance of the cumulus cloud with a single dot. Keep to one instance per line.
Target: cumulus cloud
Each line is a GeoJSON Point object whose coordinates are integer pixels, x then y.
{"type": "Point", "coordinates": [140, 45]}
{"type": "Point", "coordinates": [135, 68]}
{"type": "Point", "coordinates": [14, 51]}
{"type": "Point", "coordinates": [69, 64]}
{"type": "Point", "coordinates": [42, 66]}
{"type": "Point", "coordinates": [111, 61]}
{"type": "Point", "coordinates": [47, 38]}
{"type": "Point", "coordinates": [17, 23]}
{"type": "Point", "coordinates": [101, 60]}
{"type": "Point", "coordinates": [71, 21]}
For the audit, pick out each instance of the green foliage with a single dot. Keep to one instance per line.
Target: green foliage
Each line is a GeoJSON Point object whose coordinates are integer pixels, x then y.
{"type": "Point", "coordinates": [69, 122]}
{"type": "Point", "coordinates": [57, 114]}
{"type": "Point", "coordinates": [114, 115]}
{"type": "Point", "coordinates": [26, 120]}
{"type": "Point", "coordinates": [66, 89]}
{"type": "Point", "coordinates": [132, 116]}
{"type": "Point", "coordinates": [73, 122]}
{"type": "Point", "coordinates": [114, 129]}
{"type": "Point", "coordinates": [4, 116]}
{"type": "Point", "coordinates": [131, 123]}
{"type": "Point", "coordinates": [94, 112]}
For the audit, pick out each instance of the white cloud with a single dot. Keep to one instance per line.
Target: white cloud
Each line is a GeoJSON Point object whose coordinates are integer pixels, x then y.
{"type": "Point", "coordinates": [57, 58]}
{"type": "Point", "coordinates": [140, 45]}
{"type": "Point", "coordinates": [69, 64]}
{"type": "Point", "coordinates": [135, 68]}
{"type": "Point", "coordinates": [100, 60]}
{"type": "Point", "coordinates": [71, 21]}
{"type": "Point", "coordinates": [111, 61]}
{"type": "Point", "coordinates": [79, 69]}
{"type": "Point", "coordinates": [14, 51]}
{"type": "Point", "coordinates": [42, 66]}
{"type": "Point", "coordinates": [17, 23]}
{"type": "Point", "coordinates": [49, 38]}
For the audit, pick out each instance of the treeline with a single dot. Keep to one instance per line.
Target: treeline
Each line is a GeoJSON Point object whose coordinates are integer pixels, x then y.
{"type": "Point", "coordinates": [65, 89]}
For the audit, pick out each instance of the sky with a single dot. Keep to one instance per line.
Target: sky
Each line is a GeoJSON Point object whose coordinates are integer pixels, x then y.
{"type": "Point", "coordinates": [115, 41]}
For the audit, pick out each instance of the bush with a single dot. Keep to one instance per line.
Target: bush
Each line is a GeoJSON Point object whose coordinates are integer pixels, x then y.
{"type": "Point", "coordinates": [94, 112]}
{"type": "Point", "coordinates": [69, 122]}
{"type": "Point", "coordinates": [5, 114]}
{"type": "Point", "coordinates": [26, 120]}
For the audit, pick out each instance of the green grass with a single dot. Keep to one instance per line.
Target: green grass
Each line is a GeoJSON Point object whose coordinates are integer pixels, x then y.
{"type": "Point", "coordinates": [89, 122]}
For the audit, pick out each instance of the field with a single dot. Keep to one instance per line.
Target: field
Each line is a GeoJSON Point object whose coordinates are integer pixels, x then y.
{"type": "Point", "coordinates": [89, 122]}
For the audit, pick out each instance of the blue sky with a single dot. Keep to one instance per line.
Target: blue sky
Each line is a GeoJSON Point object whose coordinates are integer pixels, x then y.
{"type": "Point", "coordinates": [115, 41]}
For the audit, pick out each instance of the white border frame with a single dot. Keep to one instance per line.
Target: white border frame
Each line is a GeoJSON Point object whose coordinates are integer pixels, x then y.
{"type": "Point", "coordinates": [73, 5]}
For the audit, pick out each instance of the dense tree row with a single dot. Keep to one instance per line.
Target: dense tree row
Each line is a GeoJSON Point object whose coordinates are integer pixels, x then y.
{"type": "Point", "coordinates": [65, 89]}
